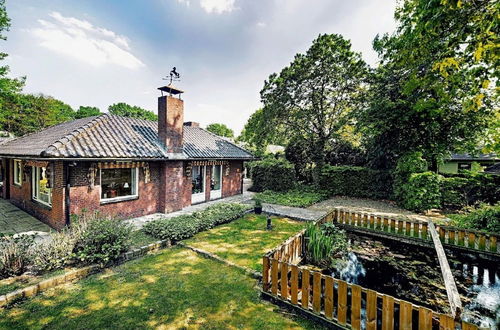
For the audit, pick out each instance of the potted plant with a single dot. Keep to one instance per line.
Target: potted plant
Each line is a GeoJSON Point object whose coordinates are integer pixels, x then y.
{"type": "Point", "coordinates": [258, 206]}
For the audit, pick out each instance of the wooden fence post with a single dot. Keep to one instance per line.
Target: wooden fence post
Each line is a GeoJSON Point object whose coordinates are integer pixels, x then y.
{"type": "Point", "coordinates": [371, 310]}
{"type": "Point", "coordinates": [424, 318]}
{"type": "Point", "coordinates": [342, 302]}
{"type": "Point", "coordinates": [329, 297]}
{"type": "Point", "coordinates": [317, 292]}
{"type": "Point", "coordinates": [305, 289]}
{"type": "Point", "coordinates": [265, 273]}
{"type": "Point", "coordinates": [387, 313]}
{"type": "Point", "coordinates": [274, 277]}
{"type": "Point", "coordinates": [284, 280]}
{"type": "Point", "coordinates": [355, 307]}
{"type": "Point", "coordinates": [295, 284]}
{"type": "Point", "coordinates": [405, 315]}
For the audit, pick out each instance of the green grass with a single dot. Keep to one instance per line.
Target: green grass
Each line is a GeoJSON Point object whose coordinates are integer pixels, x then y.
{"type": "Point", "coordinates": [300, 197]}
{"type": "Point", "coordinates": [244, 241]}
{"type": "Point", "coordinates": [173, 289]}
{"type": "Point", "coordinates": [18, 282]}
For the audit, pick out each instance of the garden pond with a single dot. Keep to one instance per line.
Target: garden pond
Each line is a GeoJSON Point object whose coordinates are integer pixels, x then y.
{"type": "Point", "coordinates": [413, 273]}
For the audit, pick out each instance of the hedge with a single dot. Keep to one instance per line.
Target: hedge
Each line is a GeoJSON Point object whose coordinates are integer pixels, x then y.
{"type": "Point", "coordinates": [272, 174]}
{"type": "Point", "coordinates": [186, 226]}
{"type": "Point", "coordinates": [356, 181]}
{"type": "Point", "coordinates": [466, 189]}
{"type": "Point", "coordinates": [422, 191]}
{"type": "Point", "coordinates": [485, 217]}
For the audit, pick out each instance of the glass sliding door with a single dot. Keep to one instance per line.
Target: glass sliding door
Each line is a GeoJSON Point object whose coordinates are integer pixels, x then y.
{"type": "Point", "coordinates": [216, 182]}
{"type": "Point", "coordinates": [198, 184]}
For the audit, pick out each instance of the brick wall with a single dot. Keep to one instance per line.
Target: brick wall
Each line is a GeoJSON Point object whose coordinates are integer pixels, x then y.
{"type": "Point", "coordinates": [21, 196]}
{"type": "Point", "coordinates": [84, 199]}
{"type": "Point", "coordinates": [175, 188]}
{"type": "Point", "coordinates": [232, 183]}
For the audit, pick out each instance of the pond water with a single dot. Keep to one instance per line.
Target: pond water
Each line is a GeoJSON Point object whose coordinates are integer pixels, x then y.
{"type": "Point", "coordinates": [412, 273]}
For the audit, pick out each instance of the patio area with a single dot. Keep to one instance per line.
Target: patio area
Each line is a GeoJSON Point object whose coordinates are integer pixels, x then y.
{"type": "Point", "coordinates": [15, 221]}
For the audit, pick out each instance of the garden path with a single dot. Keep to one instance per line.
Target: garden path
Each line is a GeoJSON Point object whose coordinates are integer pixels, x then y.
{"type": "Point", "coordinates": [13, 220]}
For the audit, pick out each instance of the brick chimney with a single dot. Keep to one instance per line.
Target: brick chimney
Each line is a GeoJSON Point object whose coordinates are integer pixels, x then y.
{"type": "Point", "coordinates": [171, 119]}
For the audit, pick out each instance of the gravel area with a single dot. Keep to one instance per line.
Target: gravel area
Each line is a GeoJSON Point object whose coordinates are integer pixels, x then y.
{"type": "Point", "coordinates": [386, 208]}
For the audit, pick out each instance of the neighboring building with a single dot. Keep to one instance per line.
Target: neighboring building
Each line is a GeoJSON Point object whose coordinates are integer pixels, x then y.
{"type": "Point", "coordinates": [458, 162]}
{"type": "Point", "coordinates": [493, 169]}
{"type": "Point", "coordinates": [119, 166]}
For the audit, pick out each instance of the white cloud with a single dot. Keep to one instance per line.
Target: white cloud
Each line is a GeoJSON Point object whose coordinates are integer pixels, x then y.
{"type": "Point", "coordinates": [83, 41]}
{"type": "Point", "coordinates": [261, 24]}
{"type": "Point", "coordinates": [217, 6]}
{"type": "Point", "coordinates": [186, 2]}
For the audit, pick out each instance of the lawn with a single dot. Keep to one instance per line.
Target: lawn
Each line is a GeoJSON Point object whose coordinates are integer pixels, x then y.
{"type": "Point", "coordinates": [244, 241]}
{"type": "Point", "coordinates": [175, 288]}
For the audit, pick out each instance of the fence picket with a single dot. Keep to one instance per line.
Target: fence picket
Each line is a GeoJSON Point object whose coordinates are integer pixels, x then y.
{"type": "Point", "coordinates": [355, 307]}
{"type": "Point", "coordinates": [424, 231]}
{"type": "Point", "coordinates": [482, 242]}
{"type": "Point", "coordinates": [461, 238]}
{"type": "Point", "coordinates": [371, 310]}
{"type": "Point", "coordinates": [274, 277]}
{"type": "Point", "coordinates": [387, 313]}
{"type": "Point", "coordinates": [265, 273]}
{"type": "Point", "coordinates": [342, 302]}
{"type": "Point", "coordinates": [317, 292]}
{"type": "Point", "coordinates": [405, 315]}
{"type": "Point", "coordinates": [446, 322]}
{"type": "Point", "coordinates": [305, 289]}
{"type": "Point", "coordinates": [471, 241]}
{"type": "Point", "coordinates": [294, 286]}
{"type": "Point", "coordinates": [493, 244]}
{"type": "Point", "coordinates": [451, 236]}
{"type": "Point", "coordinates": [284, 280]}
{"type": "Point", "coordinates": [424, 318]}
{"type": "Point", "coordinates": [329, 297]}
{"type": "Point", "coordinates": [408, 228]}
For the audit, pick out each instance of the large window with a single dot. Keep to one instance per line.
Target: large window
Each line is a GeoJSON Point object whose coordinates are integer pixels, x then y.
{"type": "Point", "coordinates": [118, 184]}
{"type": "Point", "coordinates": [215, 184]}
{"type": "Point", "coordinates": [18, 172]}
{"type": "Point", "coordinates": [40, 191]}
{"type": "Point", "coordinates": [198, 179]}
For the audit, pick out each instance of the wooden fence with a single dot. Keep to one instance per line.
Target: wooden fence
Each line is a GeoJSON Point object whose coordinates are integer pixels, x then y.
{"type": "Point", "coordinates": [471, 239]}
{"type": "Point", "coordinates": [343, 303]}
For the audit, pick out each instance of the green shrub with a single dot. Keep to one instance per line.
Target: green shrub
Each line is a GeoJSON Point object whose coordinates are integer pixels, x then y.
{"type": "Point", "coordinates": [469, 189]}
{"type": "Point", "coordinates": [485, 217]}
{"type": "Point", "coordinates": [422, 192]}
{"type": "Point", "coordinates": [272, 174]}
{"type": "Point", "coordinates": [102, 241]}
{"type": "Point", "coordinates": [185, 226]}
{"type": "Point", "coordinates": [324, 243]}
{"type": "Point", "coordinates": [409, 163]}
{"type": "Point", "coordinates": [356, 181]}
{"type": "Point", "coordinates": [15, 255]}
{"type": "Point", "coordinates": [299, 197]}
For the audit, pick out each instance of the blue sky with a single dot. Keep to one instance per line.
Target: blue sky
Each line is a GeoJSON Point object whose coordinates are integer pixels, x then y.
{"type": "Point", "coordinates": [98, 52]}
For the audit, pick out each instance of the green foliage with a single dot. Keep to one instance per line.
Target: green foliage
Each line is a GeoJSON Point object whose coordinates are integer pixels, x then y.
{"type": "Point", "coordinates": [126, 110]}
{"type": "Point", "coordinates": [272, 174]}
{"type": "Point", "coordinates": [312, 97]}
{"type": "Point", "coordinates": [422, 192]}
{"type": "Point", "coordinates": [485, 217]}
{"type": "Point", "coordinates": [409, 163]}
{"type": "Point", "coordinates": [302, 196]}
{"type": "Point", "coordinates": [356, 181]}
{"type": "Point", "coordinates": [15, 256]}
{"type": "Point", "coordinates": [185, 226]}
{"type": "Point", "coordinates": [468, 189]}
{"type": "Point", "coordinates": [324, 243]}
{"type": "Point", "coordinates": [102, 241]}
{"type": "Point", "coordinates": [220, 130]}
{"type": "Point", "coordinates": [434, 89]}
{"type": "Point", "coordinates": [84, 112]}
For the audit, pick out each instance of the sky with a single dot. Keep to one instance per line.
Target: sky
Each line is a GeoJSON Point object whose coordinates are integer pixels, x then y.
{"type": "Point", "coordinates": [100, 52]}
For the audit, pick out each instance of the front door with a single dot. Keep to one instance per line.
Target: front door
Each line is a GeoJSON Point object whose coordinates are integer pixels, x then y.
{"type": "Point", "coordinates": [216, 182]}
{"type": "Point", "coordinates": [198, 184]}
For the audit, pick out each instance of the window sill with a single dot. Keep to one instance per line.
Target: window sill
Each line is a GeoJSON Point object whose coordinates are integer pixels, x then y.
{"type": "Point", "coordinates": [118, 199]}
{"type": "Point", "coordinates": [42, 204]}
{"type": "Point", "coordinates": [18, 185]}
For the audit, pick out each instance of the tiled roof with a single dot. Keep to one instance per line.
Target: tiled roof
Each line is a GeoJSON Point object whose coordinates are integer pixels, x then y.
{"type": "Point", "coordinates": [109, 136]}
{"type": "Point", "coordinates": [491, 156]}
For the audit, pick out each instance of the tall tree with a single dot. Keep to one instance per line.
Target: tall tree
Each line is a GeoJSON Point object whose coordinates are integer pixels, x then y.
{"type": "Point", "coordinates": [220, 130]}
{"type": "Point", "coordinates": [433, 91]}
{"type": "Point", "coordinates": [126, 110]}
{"type": "Point", "coordinates": [84, 112]}
{"type": "Point", "coordinates": [311, 98]}
{"type": "Point", "coordinates": [8, 87]}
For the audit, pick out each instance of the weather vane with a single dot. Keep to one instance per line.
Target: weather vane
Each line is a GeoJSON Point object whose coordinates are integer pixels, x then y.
{"type": "Point", "coordinates": [174, 76]}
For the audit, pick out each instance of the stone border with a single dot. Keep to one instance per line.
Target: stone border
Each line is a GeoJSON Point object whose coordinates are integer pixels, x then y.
{"type": "Point", "coordinates": [253, 273]}
{"type": "Point", "coordinates": [77, 274]}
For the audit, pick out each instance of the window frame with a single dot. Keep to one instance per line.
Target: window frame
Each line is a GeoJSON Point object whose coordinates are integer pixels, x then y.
{"type": "Point", "coordinates": [135, 187]}
{"type": "Point", "coordinates": [18, 172]}
{"type": "Point", "coordinates": [35, 192]}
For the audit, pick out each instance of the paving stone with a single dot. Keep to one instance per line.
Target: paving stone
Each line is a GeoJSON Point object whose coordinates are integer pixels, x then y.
{"type": "Point", "coordinates": [14, 220]}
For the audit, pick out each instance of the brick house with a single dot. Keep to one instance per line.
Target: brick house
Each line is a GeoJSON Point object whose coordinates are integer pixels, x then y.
{"type": "Point", "coordinates": [120, 166]}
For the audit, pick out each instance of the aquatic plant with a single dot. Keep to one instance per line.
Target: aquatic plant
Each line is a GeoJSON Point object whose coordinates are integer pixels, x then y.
{"type": "Point", "coordinates": [324, 243]}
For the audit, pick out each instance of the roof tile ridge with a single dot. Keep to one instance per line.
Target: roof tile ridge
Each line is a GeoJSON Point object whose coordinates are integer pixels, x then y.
{"type": "Point", "coordinates": [73, 134]}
